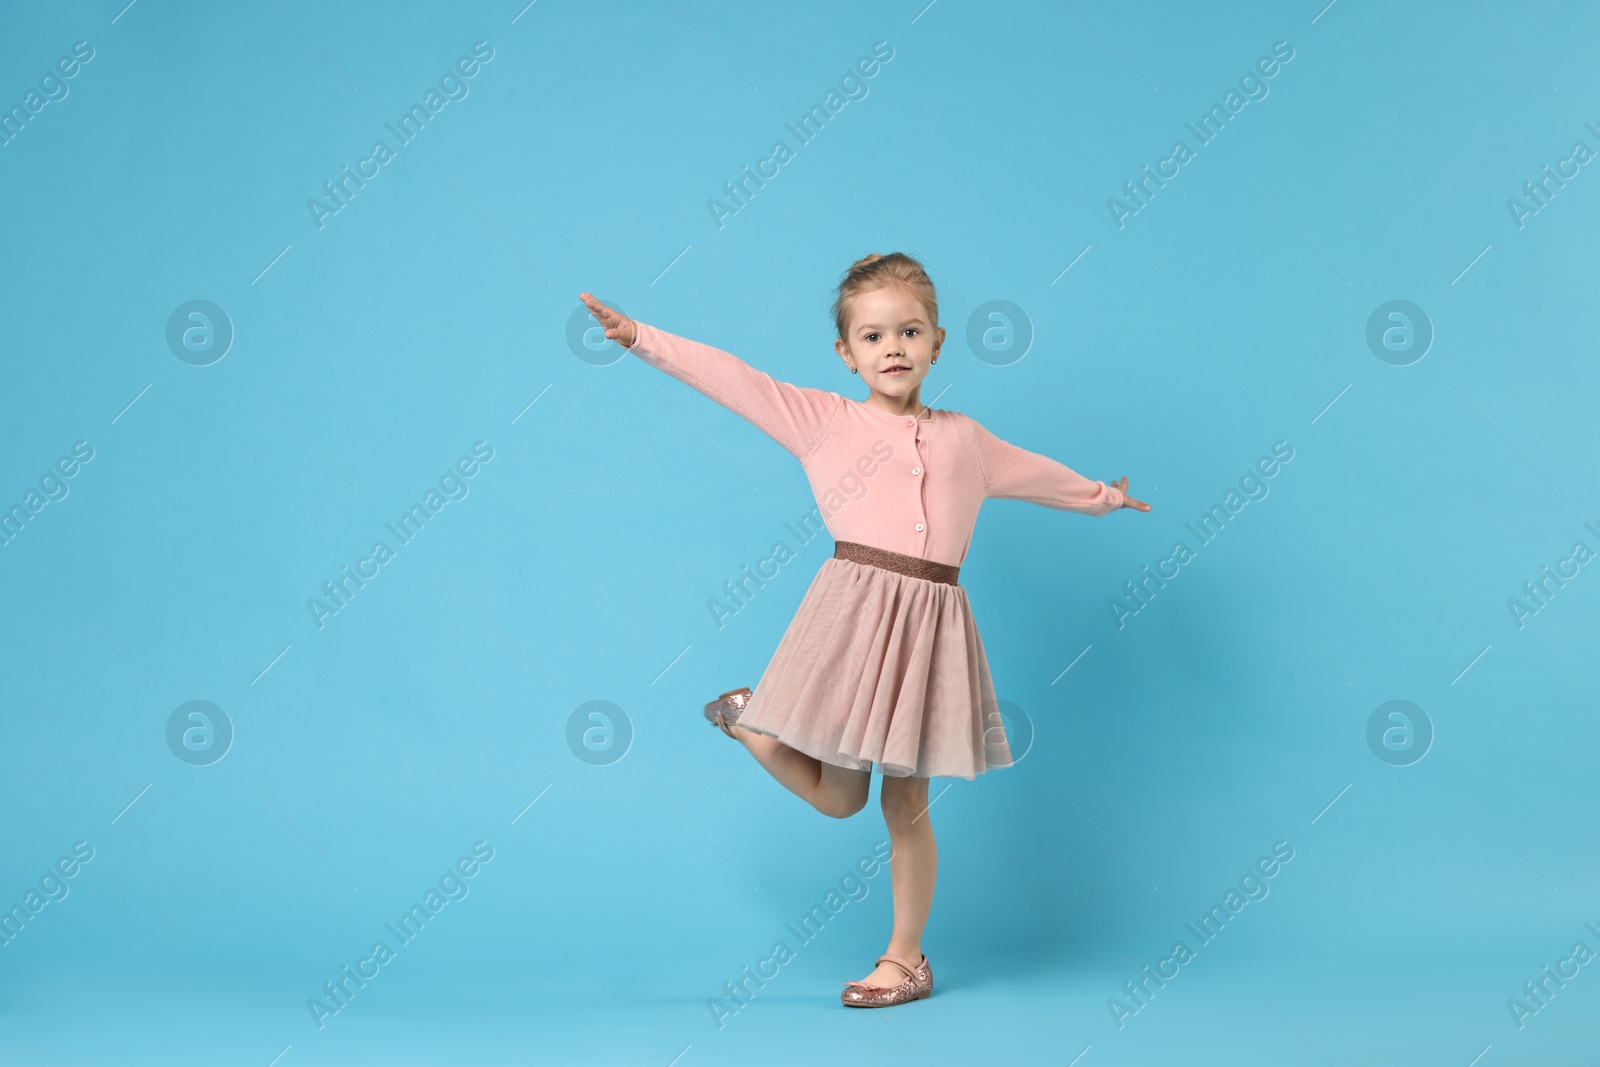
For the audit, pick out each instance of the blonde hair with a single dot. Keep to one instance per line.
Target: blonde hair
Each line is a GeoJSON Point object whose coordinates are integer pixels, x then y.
{"type": "Point", "coordinates": [875, 272]}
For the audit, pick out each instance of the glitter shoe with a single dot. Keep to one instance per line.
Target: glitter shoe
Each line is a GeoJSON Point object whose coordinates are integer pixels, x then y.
{"type": "Point", "coordinates": [724, 711]}
{"type": "Point", "coordinates": [917, 984]}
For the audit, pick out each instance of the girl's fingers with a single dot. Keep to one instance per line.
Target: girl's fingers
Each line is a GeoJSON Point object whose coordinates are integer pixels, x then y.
{"type": "Point", "coordinates": [1128, 501]}
{"type": "Point", "coordinates": [599, 310]}
{"type": "Point", "coordinates": [615, 322]}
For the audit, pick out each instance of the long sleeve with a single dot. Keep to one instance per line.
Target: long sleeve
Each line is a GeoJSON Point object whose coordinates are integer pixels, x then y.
{"type": "Point", "coordinates": [1017, 474]}
{"type": "Point", "coordinates": [794, 416]}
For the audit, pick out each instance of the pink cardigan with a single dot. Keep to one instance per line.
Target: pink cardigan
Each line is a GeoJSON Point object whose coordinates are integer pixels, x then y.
{"type": "Point", "coordinates": [912, 486]}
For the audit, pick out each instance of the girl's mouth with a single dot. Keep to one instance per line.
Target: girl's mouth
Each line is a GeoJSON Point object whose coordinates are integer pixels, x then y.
{"type": "Point", "coordinates": [898, 370]}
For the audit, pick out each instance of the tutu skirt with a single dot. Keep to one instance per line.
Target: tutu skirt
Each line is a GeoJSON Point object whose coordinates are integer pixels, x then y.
{"type": "Point", "coordinates": [879, 667]}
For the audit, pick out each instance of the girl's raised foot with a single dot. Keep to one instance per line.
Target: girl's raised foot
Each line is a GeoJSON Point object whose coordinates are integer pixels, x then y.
{"type": "Point", "coordinates": [724, 711]}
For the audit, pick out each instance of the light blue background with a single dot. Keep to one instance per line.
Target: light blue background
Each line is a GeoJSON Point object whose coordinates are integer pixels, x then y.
{"type": "Point", "coordinates": [1228, 314]}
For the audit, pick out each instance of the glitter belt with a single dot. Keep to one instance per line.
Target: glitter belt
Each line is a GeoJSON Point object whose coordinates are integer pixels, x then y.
{"type": "Point", "coordinates": [911, 566]}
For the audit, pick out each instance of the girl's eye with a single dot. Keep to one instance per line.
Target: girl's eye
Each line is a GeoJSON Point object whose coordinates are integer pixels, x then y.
{"type": "Point", "coordinates": [872, 337]}
{"type": "Point", "coordinates": [911, 329]}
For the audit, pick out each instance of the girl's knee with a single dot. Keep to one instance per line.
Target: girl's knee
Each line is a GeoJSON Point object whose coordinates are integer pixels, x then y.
{"type": "Point", "coordinates": [840, 806]}
{"type": "Point", "coordinates": [841, 792]}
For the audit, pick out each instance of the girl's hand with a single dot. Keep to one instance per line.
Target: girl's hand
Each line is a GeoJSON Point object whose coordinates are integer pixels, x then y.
{"type": "Point", "coordinates": [619, 327]}
{"type": "Point", "coordinates": [1127, 501]}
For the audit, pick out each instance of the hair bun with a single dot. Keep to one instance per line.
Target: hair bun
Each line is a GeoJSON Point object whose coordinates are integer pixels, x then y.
{"type": "Point", "coordinates": [874, 271]}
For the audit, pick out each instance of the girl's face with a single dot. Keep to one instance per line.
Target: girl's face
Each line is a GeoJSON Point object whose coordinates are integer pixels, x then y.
{"type": "Point", "coordinates": [891, 341]}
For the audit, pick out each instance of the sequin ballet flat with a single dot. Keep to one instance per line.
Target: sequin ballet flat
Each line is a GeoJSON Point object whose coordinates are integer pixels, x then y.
{"type": "Point", "coordinates": [917, 984]}
{"type": "Point", "coordinates": [724, 711]}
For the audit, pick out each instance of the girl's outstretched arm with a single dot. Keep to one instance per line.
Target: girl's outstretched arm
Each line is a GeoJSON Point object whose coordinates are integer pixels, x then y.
{"type": "Point", "coordinates": [1016, 474]}
{"type": "Point", "coordinates": [794, 416]}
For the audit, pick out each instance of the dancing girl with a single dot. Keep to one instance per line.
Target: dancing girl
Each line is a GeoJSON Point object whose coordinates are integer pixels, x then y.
{"type": "Point", "coordinates": [882, 664]}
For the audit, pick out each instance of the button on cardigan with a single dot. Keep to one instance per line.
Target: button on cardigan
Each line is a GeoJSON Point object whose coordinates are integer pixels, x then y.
{"type": "Point", "coordinates": [908, 485]}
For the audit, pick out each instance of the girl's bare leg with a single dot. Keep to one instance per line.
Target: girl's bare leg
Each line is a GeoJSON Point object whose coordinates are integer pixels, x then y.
{"type": "Point", "coordinates": [836, 791]}
{"type": "Point", "coordinates": [914, 865]}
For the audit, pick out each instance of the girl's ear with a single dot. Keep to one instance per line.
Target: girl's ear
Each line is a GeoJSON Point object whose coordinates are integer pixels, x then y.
{"type": "Point", "coordinates": [844, 353]}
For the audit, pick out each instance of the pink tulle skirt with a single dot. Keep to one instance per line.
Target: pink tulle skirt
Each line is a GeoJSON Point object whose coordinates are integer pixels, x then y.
{"type": "Point", "coordinates": [881, 668]}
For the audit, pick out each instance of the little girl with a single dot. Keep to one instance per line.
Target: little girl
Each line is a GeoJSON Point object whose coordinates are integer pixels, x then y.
{"type": "Point", "coordinates": [882, 662]}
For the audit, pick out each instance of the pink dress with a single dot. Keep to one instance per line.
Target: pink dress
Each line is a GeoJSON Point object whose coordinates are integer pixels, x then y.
{"type": "Point", "coordinates": [878, 667]}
